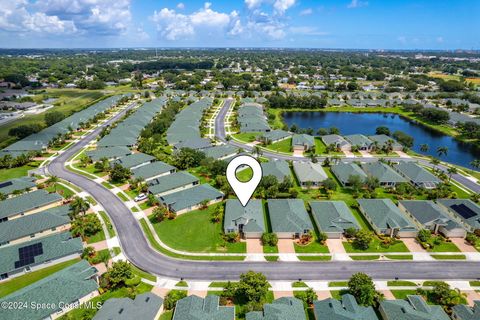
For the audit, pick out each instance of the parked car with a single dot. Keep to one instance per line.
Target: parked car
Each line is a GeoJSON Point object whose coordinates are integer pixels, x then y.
{"type": "Point", "coordinates": [140, 197]}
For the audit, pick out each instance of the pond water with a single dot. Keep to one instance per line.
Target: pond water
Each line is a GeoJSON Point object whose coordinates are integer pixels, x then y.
{"type": "Point", "coordinates": [365, 123]}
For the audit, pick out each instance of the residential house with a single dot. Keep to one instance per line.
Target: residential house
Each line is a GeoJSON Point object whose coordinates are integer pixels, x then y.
{"type": "Point", "coordinates": [49, 250]}
{"type": "Point", "coordinates": [133, 161]}
{"type": "Point", "coordinates": [191, 198]}
{"type": "Point", "coordinates": [344, 170]}
{"type": "Point", "coordinates": [110, 153]}
{"type": "Point", "coordinates": [384, 173]}
{"type": "Point", "coordinates": [277, 168]}
{"type": "Point", "coordinates": [171, 183]}
{"type": "Point", "coordinates": [412, 308]}
{"type": "Point", "coordinates": [153, 171]}
{"type": "Point", "coordinates": [382, 140]}
{"type": "Point", "coordinates": [360, 141]}
{"type": "Point", "coordinates": [220, 152]}
{"type": "Point", "coordinates": [38, 225]}
{"type": "Point", "coordinates": [289, 218]}
{"type": "Point", "coordinates": [465, 210]}
{"type": "Point", "coordinates": [28, 203]}
{"type": "Point", "coordinates": [247, 221]}
{"type": "Point", "coordinates": [22, 184]}
{"type": "Point", "coordinates": [71, 286]}
{"type": "Point", "coordinates": [417, 175]}
{"type": "Point", "coordinates": [333, 217]}
{"type": "Point", "coordinates": [386, 218]}
{"type": "Point", "coordinates": [431, 216]}
{"type": "Point", "coordinates": [283, 308]}
{"type": "Point", "coordinates": [309, 174]}
{"type": "Point", "coordinates": [338, 141]}
{"type": "Point", "coordinates": [195, 143]}
{"type": "Point", "coordinates": [276, 136]}
{"type": "Point", "coordinates": [345, 309]}
{"type": "Point", "coordinates": [302, 142]}
{"type": "Point", "coordinates": [145, 306]}
{"type": "Point", "coordinates": [208, 308]}
{"type": "Point", "coordinates": [463, 312]}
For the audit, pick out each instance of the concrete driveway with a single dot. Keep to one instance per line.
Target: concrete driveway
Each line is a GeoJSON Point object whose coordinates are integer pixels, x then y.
{"type": "Point", "coordinates": [286, 250]}
{"type": "Point", "coordinates": [337, 250]}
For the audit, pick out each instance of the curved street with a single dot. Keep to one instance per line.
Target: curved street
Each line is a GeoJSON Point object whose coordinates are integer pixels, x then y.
{"type": "Point", "coordinates": [138, 251]}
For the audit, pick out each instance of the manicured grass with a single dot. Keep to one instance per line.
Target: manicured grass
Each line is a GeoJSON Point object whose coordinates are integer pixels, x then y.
{"type": "Point", "coordinates": [271, 258]}
{"type": "Point", "coordinates": [244, 175]}
{"type": "Point", "coordinates": [430, 283]}
{"type": "Point", "coordinates": [99, 236]}
{"type": "Point", "coordinates": [107, 185]}
{"type": "Point", "coordinates": [281, 146]}
{"type": "Point", "coordinates": [400, 257]}
{"type": "Point", "coordinates": [338, 284]}
{"type": "Point", "coordinates": [401, 283]}
{"type": "Point", "coordinates": [337, 294]}
{"type": "Point", "coordinates": [166, 315]}
{"type": "Point", "coordinates": [181, 284]}
{"type": "Point", "coordinates": [195, 232]}
{"type": "Point", "coordinates": [61, 190]}
{"type": "Point", "coordinates": [108, 223]}
{"type": "Point", "coordinates": [314, 258]}
{"type": "Point", "coordinates": [6, 174]}
{"type": "Point", "coordinates": [134, 209]}
{"type": "Point", "coordinates": [92, 201]}
{"type": "Point", "coordinates": [247, 137]}
{"type": "Point", "coordinates": [123, 197]}
{"type": "Point", "coordinates": [449, 257]}
{"type": "Point", "coordinates": [475, 283]}
{"type": "Point", "coordinates": [20, 282]}
{"type": "Point", "coordinates": [144, 205]}
{"type": "Point", "coordinates": [131, 193]}
{"type": "Point", "coordinates": [402, 294]}
{"type": "Point", "coordinates": [116, 251]}
{"type": "Point", "coordinates": [90, 169]}
{"type": "Point", "coordinates": [313, 247]}
{"type": "Point", "coordinates": [445, 247]}
{"type": "Point", "coordinates": [218, 284]}
{"type": "Point", "coordinates": [376, 247]}
{"type": "Point", "coordinates": [361, 258]}
{"type": "Point", "coordinates": [299, 284]}
{"type": "Point", "coordinates": [100, 256]}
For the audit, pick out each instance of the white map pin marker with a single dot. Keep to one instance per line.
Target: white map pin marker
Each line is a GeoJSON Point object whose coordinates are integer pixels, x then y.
{"type": "Point", "coordinates": [244, 190]}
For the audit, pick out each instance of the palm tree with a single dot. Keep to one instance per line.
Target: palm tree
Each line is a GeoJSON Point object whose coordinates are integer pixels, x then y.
{"type": "Point", "coordinates": [79, 205]}
{"type": "Point", "coordinates": [435, 163]}
{"type": "Point", "coordinates": [53, 180]}
{"type": "Point", "coordinates": [424, 147]}
{"type": "Point", "coordinates": [442, 151]}
{"type": "Point", "coordinates": [257, 151]}
{"type": "Point", "coordinates": [451, 171]}
{"type": "Point", "coordinates": [475, 163]}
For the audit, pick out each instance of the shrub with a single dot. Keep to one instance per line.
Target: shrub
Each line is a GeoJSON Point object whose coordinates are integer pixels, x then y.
{"type": "Point", "coordinates": [269, 239]}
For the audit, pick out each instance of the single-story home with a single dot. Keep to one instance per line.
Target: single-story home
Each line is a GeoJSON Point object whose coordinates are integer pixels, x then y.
{"type": "Point", "coordinates": [22, 184]}
{"type": "Point", "coordinates": [283, 308]}
{"type": "Point", "coordinates": [110, 153]}
{"type": "Point", "coordinates": [384, 173]}
{"type": "Point", "coordinates": [303, 142]}
{"type": "Point", "coordinates": [28, 203]}
{"type": "Point", "coordinates": [386, 218]}
{"type": "Point", "coordinates": [339, 142]}
{"type": "Point", "coordinates": [171, 183]}
{"type": "Point", "coordinates": [191, 198]}
{"type": "Point", "coordinates": [39, 225]}
{"type": "Point", "coordinates": [220, 152]}
{"type": "Point", "coordinates": [289, 218]}
{"type": "Point", "coordinates": [345, 309]}
{"type": "Point", "coordinates": [333, 217]}
{"type": "Point", "coordinates": [193, 143]}
{"type": "Point", "coordinates": [50, 250]}
{"type": "Point", "coordinates": [248, 221]}
{"type": "Point", "coordinates": [153, 170]}
{"type": "Point", "coordinates": [133, 161]}
{"type": "Point", "coordinates": [463, 312]}
{"type": "Point", "coordinates": [381, 140]}
{"type": "Point", "coordinates": [417, 175]}
{"type": "Point", "coordinates": [465, 210]}
{"type": "Point", "coordinates": [277, 168]}
{"type": "Point", "coordinates": [309, 174]}
{"type": "Point", "coordinates": [360, 141]}
{"type": "Point", "coordinates": [275, 135]}
{"type": "Point", "coordinates": [413, 307]}
{"type": "Point", "coordinates": [194, 307]}
{"type": "Point", "coordinates": [344, 170]}
{"type": "Point", "coordinates": [79, 284]}
{"type": "Point", "coordinates": [145, 306]}
{"type": "Point", "coordinates": [431, 216]}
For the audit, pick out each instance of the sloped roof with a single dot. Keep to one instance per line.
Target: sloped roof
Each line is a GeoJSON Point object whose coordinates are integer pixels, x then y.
{"type": "Point", "coordinates": [415, 172]}
{"type": "Point", "coordinates": [277, 168]}
{"type": "Point", "coordinates": [9, 186]}
{"type": "Point", "coordinates": [358, 140]}
{"type": "Point", "coordinates": [152, 169]}
{"type": "Point", "coordinates": [171, 182]}
{"type": "Point", "coordinates": [303, 140]}
{"type": "Point", "coordinates": [334, 139]}
{"type": "Point", "coordinates": [382, 140]}
{"type": "Point", "coordinates": [309, 171]}
{"type": "Point", "coordinates": [145, 306]}
{"type": "Point", "coordinates": [285, 308]}
{"type": "Point", "coordinates": [277, 134]}
{"type": "Point", "coordinates": [288, 215]}
{"type": "Point", "coordinates": [109, 153]}
{"type": "Point", "coordinates": [190, 197]}
{"type": "Point", "coordinates": [382, 172]}
{"type": "Point", "coordinates": [251, 216]}
{"type": "Point", "coordinates": [345, 309]}
{"type": "Point", "coordinates": [463, 312]}
{"type": "Point", "coordinates": [343, 171]}
{"type": "Point", "coordinates": [333, 216]}
{"type": "Point", "coordinates": [133, 160]}
{"type": "Point", "coordinates": [412, 308]}
{"type": "Point", "coordinates": [27, 202]}
{"type": "Point", "coordinates": [428, 212]}
{"type": "Point", "coordinates": [465, 209]}
{"type": "Point", "coordinates": [384, 214]}
{"type": "Point", "coordinates": [208, 308]}
{"type": "Point", "coordinates": [220, 151]}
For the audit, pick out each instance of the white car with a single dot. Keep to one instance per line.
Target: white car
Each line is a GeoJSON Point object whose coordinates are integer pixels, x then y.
{"type": "Point", "coordinates": [141, 197]}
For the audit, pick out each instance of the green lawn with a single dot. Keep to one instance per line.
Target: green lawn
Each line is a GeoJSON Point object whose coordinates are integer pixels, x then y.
{"type": "Point", "coordinates": [445, 247]}
{"type": "Point", "coordinates": [401, 283]}
{"type": "Point", "coordinates": [449, 256]}
{"type": "Point", "coordinates": [18, 283]}
{"type": "Point", "coordinates": [107, 185]}
{"type": "Point", "coordinates": [123, 197]}
{"type": "Point", "coordinates": [167, 315]}
{"type": "Point", "coordinates": [99, 236]}
{"type": "Point", "coordinates": [195, 232]}
{"type": "Point", "coordinates": [314, 258]}
{"type": "Point", "coordinates": [181, 284]}
{"type": "Point", "coordinates": [337, 294]}
{"type": "Point", "coordinates": [400, 257]}
{"type": "Point", "coordinates": [376, 247]}
{"type": "Point", "coordinates": [362, 258]}
{"type": "Point", "coordinates": [244, 175]}
{"type": "Point", "coordinates": [299, 284]}
{"type": "Point", "coordinates": [281, 146]}
{"type": "Point", "coordinates": [91, 169]}
{"type": "Point", "coordinates": [338, 284]}
{"type": "Point", "coordinates": [313, 247]}
{"type": "Point", "coordinates": [61, 190]}
{"type": "Point", "coordinates": [6, 174]}
{"type": "Point", "coordinates": [108, 223]}
{"type": "Point", "coordinates": [402, 294]}
{"type": "Point", "coordinates": [247, 136]}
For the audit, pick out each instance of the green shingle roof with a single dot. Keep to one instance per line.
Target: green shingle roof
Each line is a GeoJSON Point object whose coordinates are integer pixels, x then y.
{"type": "Point", "coordinates": [303, 140]}
{"type": "Point", "coordinates": [65, 286]}
{"type": "Point", "coordinates": [385, 215]}
{"type": "Point", "coordinates": [9, 186]}
{"type": "Point", "coordinates": [34, 223]}
{"type": "Point", "coordinates": [145, 307]}
{"type": "Point", "coordinates": [343, 171]}
{"type": "Point", "coordinates": [463, 312]}
{"type": "Point", "coordinates": [196, 143]}
{"type": "Point", "coordinates": [220, 151]}
{"type": "Point", "coordinates": [309, 171]}
{"type": "Point", "coordinates": [277, 168]}
{"type": "Point", "coordinates": [382, 172]}
{"type": "Point", "coordinates": [359, 140]}
{"type": "Point", "coordinates": [333, 216]}
{"type": "Point", "coordinates": [286, 308]}
{"type": "Point", "coordinates": [334, 139]}
{"type": "Point", "coordinates": [171, 182]}
{"type": "Point", "coordinates": [277, 134]}
{"type": "Point", "coordinates": [428, 212]}
{"type": "Point", "coordinates": [459, 206]}
{"type": "Point", "coordinates": [109, 153]}
{"type": "Point", "coordinates": [251, 216]}
{"type": "Point", "coordinates": [54, 247]}
{"type": "Point", "coordinates": [190, 197]}
{"type": "Point", "coordinates": [288, 215]}
{"type": "Point", "coordinates": [346, 309]}
{"type": "Point", "coordinates": [196, 308]}
{"type": "Point", "coordinates": [133, 160]}
{"type": "Point", "coordinates": [415, 173]}
{"type": "Point", "coordinates": [152, 169]}
{"type": "Point", "coordinates": [27, 202]}
{"type": "Point", "coordinates": [413, 308]}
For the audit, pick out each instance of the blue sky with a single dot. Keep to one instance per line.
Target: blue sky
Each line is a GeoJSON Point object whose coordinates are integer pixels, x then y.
{"type": "Point", "coordinates": [368, 24]}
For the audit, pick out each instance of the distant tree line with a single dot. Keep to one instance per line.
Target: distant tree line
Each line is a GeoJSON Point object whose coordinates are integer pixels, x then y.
{"type": "Point", "coordinates": [277, 101]}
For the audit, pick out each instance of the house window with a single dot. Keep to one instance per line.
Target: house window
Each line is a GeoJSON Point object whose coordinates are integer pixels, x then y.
{"type": "Point", "coordinates": [3, 276]}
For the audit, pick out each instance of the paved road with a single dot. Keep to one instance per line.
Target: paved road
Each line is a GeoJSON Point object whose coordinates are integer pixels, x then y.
{"type": "Point", "coordinates": [138, 251]}
{"type": "Point", "coordinates": [220, 134]}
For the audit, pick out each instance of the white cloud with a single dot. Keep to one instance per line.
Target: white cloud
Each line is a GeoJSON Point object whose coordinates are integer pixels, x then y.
{"type": "Point", "coordinates": [309, 31]}
{"type": "Point", "coordinates": [281, 6]}
{"type": "Point", "coordinates": [181, 6]}
{"type": "Point", "coordinates": [439, 39]}
{"type": "Point", "coordinates": [306, 12]}
{"type": "Point", "coordinates": [252, 4]}
{"type": "Point", "coordinates": [357, 4]}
